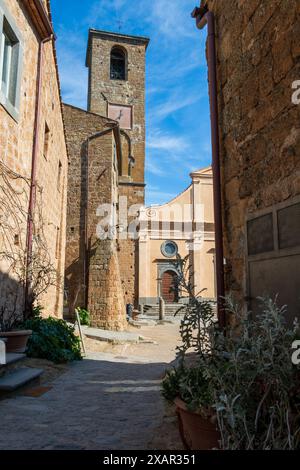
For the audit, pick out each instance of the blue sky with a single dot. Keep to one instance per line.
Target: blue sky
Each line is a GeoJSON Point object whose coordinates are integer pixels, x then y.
{"type": "Point", "coordinates": [177, 107]}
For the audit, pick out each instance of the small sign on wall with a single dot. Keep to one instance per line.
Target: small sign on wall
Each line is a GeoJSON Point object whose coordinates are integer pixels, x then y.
{"type": "Point", "coordinates": [122, 114]}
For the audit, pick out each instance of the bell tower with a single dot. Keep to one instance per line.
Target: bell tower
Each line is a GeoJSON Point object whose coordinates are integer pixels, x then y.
{"type": "Point", "coordinates": [116, 64]}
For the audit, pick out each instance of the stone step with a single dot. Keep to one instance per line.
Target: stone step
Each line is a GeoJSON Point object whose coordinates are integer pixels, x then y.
{"type": "Point", "coordinates": [12, 358]}
{"type": "Point", "coordinates": [140, 322]}
{"type": "Point", "coordinates": [19, 377]}
{"type": "Point", "coordinates": [116, 337]}
{"type": "Point", "coordinates": [169, 311]}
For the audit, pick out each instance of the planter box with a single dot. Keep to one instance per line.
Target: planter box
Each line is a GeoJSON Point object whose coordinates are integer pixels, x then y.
{"type": "Point", "coordinates": [16, 340]}
{"type": "Point", "coordinates": [197, 433]}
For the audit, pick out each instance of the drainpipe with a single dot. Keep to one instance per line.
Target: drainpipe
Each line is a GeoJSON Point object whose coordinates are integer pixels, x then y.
{"type": "Point", "coordinates": [35, 149]}
{"type": "Point", "coordinates": [204, 17]}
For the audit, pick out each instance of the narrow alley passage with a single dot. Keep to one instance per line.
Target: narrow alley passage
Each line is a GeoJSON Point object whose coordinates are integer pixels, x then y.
{"type": "Point", "coordinates": [109, 401]}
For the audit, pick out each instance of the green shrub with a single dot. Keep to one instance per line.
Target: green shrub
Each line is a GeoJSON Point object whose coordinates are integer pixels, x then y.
{"type": "Point", "coordinates": [52, 339]}
{"type": "Point", "coordinates": [84, 316]}
{"type": "Point", "coordinates": [191, 385]}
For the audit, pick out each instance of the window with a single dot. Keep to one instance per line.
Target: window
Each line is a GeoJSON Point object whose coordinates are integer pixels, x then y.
{"type": "Point", "coordinates": [289, 226]}
{"type": "Point", "coordinates": [117, 64]}
{"type": "Point", "coordinates": [169, 249]}
{"type": "Point", "coordinates": [260, 235]}
{"type": "Point", "coordinates": [59, 175]}
{"type": "Point", "coordinates": [46, 140]}
{"type": "Point", "coordinates": [10, 63]}
{"type": "Point", "coordinates": [115, 157]}
{"type": "Point", "coordinates": [273, 263]}
{"type": "Point", "coordinates": [57, 245]}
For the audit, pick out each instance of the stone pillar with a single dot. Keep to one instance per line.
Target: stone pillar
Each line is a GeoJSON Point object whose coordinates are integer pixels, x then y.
{"type": "Point", "coordinates": [161, 308]}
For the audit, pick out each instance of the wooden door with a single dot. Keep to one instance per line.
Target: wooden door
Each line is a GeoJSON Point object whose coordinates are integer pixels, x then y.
{"type": "Point", "coordinates": [169, 290]}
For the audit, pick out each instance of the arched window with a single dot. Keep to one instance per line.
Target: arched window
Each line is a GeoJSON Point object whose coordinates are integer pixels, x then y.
{"type": "Point", "coordinates": [117, 64]}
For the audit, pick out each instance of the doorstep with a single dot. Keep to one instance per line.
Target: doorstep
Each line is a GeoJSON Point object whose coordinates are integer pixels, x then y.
{"type": "Point", "coordinates": [18, 377]}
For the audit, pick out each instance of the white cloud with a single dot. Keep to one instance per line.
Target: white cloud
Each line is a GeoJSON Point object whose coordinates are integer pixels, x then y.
{"type": "Point", "coordinates": [175, 81]}
{"type": "Point", "coordinates": [160, 141]}
{"type": "Point", "coordinates": [171, 106]}
{"type": "Point", "coordinates": [73, 73]}
{"type": "Point", "coordinates": [154, 169]}
{"type": "Point", "coordinates": [172, 19]}
{"type": "Point", "coordinates": [155, 196]}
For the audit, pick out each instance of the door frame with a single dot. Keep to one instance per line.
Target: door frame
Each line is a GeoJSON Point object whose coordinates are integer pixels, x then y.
{"type": "Point", "coordinates": [162, 267]}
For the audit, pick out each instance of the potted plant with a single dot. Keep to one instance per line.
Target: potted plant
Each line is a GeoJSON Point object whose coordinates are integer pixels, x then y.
{"type": "Point", "coordinates": [188, 385]}
{"type": "Point", "coordinates": [241, 379]}
{"type": "Point", "coordinates": [257, 394]}
{"type": "Point", "coordinates": [188, 388]}
{"type": "Point", "coordinates": [11, 330]}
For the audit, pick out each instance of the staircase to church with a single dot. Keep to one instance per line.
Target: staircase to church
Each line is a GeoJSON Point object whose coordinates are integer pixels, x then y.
{"type": "Point", "coordinates": [170, 310]}
{"type": "Point", "coordinates": [152, 311]}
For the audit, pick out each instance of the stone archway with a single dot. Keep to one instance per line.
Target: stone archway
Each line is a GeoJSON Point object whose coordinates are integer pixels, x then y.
{"type": "Point", "coordinates": [169, 287]}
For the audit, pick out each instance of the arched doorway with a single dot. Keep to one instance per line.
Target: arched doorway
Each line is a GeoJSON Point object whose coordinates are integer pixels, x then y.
{"type": "Point", "coordinates": [169, 287]}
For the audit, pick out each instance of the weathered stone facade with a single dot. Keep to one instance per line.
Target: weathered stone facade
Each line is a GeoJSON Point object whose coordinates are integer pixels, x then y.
{"type": "Point", "coordinates": [16, 148]}
{"type": "Point", "coordinates": [107, 156]}
{"type": "Point", "coordinates": [104, 92]}
{"type": "Point", "coordinates": [258, 60]}
{"type": "Point", "coordinates": [92, 270]}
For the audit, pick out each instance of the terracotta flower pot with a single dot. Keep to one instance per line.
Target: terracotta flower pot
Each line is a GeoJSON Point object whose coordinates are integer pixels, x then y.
{"type": "Point", "coordinates": [197, 433]}
{"type": "Point", "coordinates": [16, 340]}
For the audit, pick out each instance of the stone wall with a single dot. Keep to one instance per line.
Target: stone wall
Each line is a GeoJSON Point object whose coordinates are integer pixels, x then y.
{"type": "Point", "coordinates": [103, 90]}
{"type": "Point", "coordinates": [16, 143]}
{"type": "Point", "coordinates": [92, 271]}
{"type": "Point", "coordinates": [258, 49]}
{"type": "Point", "coordinates": [128, 248]}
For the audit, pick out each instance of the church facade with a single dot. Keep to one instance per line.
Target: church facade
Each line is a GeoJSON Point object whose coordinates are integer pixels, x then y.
{"type": "Point", "coordinates": [182, 229]}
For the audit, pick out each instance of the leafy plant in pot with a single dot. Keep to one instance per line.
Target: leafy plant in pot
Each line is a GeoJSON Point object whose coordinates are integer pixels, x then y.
{"type": "Point", "coordinates": [188, 385]}
{"type": "Point", "coordinates": [245, 374]}
{"type": "Point", "coordinates": [11, 330]}
{"type": "Point", "coordinates": [257, 393]}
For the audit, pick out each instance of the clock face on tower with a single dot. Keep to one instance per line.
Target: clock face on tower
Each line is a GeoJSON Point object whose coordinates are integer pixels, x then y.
{"type": "Point", "coordinates": [122, 114]}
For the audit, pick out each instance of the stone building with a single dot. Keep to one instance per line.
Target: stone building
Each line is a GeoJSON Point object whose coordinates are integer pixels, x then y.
{"type": "Point", "coordinates": [184, 227]}
{"type": "Point", "coordinates": [93, 276]}
{"type": "Point", "coordinates": [116, 65]}
{"type": "Point", "coordinates": [258, 65]}
{"type": "Point", "coordinates": [33, 158]}
{"type": "Point", "coordinates": [106, 145]}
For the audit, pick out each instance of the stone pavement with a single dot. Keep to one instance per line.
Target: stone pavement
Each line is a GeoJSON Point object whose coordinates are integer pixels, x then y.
{"type": "Point", "coordinates": [105, 402]}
